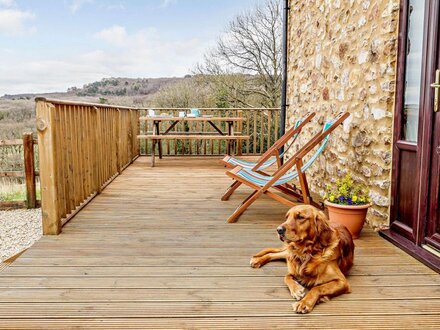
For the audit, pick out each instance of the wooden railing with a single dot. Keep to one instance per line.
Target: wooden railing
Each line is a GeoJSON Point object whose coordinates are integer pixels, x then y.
{"type": "Point", "coordinates": [82, 148]}
{"type": "Point", "coordinates": [29, 173]}
{"type": "Point", "coordinates": [261, 124]}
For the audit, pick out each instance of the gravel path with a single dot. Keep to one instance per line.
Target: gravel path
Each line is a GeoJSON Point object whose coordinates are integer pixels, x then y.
{"type": "Point", "coordinates": [19, 229]}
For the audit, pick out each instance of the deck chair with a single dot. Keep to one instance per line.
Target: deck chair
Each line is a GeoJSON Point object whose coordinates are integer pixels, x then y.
{"type": "Point", "coordinates": [264, 184]}
{"type": "Point", "coordinates": [272, 155]}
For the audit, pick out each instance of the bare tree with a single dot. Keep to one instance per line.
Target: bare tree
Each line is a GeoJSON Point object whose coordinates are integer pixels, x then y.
{"type": "Point", "coordinates": [247, 59]}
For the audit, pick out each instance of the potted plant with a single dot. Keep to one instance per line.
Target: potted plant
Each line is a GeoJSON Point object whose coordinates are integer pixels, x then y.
{"type": "Point", "coordinates": [348, 204]}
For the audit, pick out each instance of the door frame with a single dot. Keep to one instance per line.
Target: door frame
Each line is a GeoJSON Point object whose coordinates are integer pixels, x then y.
{"type": "Point", "coordinates": [428, 117]}
{"type": "Point", "coordinates": [411, 239]}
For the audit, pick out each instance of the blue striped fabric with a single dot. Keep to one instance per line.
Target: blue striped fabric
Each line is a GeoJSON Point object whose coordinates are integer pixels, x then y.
{"type": "Point", "coordinates": [251, 165]}
{"type": "Point", "coordinates": [262, 180]}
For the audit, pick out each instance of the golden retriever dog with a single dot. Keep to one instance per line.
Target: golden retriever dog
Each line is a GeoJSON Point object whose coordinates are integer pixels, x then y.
{"type": "Point", "coordinates": [318, 255]}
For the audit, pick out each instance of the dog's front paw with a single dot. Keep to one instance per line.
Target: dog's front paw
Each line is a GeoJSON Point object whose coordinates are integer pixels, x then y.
{"type": "Point", "coordinates": [298, 293]}
{"type": "Point", "coordinates": [256, 262]}
{"type": "Point", "coordinates": [301, 307]}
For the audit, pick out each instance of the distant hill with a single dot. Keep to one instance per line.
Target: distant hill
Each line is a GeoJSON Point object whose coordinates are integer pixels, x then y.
{"type": "Point", "coordinates": [106, 87]}
{"type": "Point", "coordinates": [17, 112]}
{"type": "Point", "coordinates": [123, 86]}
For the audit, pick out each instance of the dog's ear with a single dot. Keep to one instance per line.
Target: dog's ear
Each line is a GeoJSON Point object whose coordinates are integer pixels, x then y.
{"type": "Point", "coordinates": [323, 230]}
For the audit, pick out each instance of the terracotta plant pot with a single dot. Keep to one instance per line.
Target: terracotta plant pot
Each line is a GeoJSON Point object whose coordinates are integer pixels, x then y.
{"type": "Point", "coordinates": [351, 216]}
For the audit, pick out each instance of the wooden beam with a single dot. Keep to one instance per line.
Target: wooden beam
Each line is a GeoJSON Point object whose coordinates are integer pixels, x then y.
{"type": "Point", "coordinates": [118, 142]}
{"type": "Point", "coordinates": [97, 171]}
{"type": "Point", "coordinates": [11, 142]}
{"type": "Point", "coordinates": [6, 205]}
{"type": "Point", "coordinates": [15, 174]}
{"type": "Point", "coordinates": [211, 109]}
{"type": "Point", "coordinates": [12, 174]}
{"type": "Point", "coordinates": [48, 168]}
{"type": "Point", "coordinates": [29, 170]}
{"type": "Point", "coordinates": [78, 103]}
{"type": "Point", "coordinates": [240, 128]}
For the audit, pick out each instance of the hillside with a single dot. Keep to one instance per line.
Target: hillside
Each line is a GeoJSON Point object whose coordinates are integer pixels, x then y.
{"type": "Point", "coordinates": [17, 113]}
{"type": "Point", "coordinates": [123, 87]}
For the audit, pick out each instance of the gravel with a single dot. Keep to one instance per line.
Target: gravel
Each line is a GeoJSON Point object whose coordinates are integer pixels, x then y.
{"type": "Point", "coordinates": [19, 229]}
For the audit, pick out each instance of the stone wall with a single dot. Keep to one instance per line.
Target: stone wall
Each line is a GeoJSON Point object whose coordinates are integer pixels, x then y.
{"type": "Point", "coordinates": [342, 57]}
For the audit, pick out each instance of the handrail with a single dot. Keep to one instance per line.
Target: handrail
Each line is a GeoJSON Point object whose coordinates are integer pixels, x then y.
{"type": "Point", "coordinates": [68, 102]}
{"type": "Point", "coordinates": [224, 109]}
{"type": "Point", "coordinates": [82, 148]}
{"type": "Point", "coordinates": [79, 103]}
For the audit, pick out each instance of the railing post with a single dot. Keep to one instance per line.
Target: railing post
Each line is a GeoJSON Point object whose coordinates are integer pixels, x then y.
{"type": "Point", "coordinates": [29, 170]}
{"type": "Point", "coordinates": [48, 168]}
{"type": "Point", "coordinates": [137, 132]}
{"type": "Point", "coordinates": [118, 142]}
{"type": "Point", "coordinates": [240, 129]}
{"type": "Point", "coordinates": [98, 141]}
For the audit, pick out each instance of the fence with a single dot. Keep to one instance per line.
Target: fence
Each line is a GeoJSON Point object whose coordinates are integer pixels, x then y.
{"type": "Point", "coordinates": [82, 148]}
{"type": "Point", "coordinates": [261, 124]}
{"type": "Point", "coordinates": [29, 173]}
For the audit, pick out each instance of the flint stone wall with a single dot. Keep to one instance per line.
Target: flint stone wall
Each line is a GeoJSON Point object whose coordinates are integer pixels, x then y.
{"type": "Point", "coordinates": [342, 57]}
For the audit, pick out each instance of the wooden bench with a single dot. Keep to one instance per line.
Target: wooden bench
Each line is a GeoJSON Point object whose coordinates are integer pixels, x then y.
{"type": "Point", "coordinates": [155, 138]}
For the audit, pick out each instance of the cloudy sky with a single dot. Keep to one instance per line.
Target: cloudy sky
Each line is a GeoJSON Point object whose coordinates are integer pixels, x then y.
{"type": "Point", "coordinates": [50, 45]}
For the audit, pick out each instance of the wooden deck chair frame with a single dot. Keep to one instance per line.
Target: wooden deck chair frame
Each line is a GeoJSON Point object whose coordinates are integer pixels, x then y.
{"type": "Point", "coordinates": [295, 161]}
{"type": "Point", "coordinates": [273, 151]}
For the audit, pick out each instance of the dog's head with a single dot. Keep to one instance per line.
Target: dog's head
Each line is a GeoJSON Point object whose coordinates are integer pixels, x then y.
{"type": "Point", "coordinates": [305, 223]}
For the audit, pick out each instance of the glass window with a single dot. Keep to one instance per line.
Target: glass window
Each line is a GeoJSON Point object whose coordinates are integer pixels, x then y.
{"type": "Point", "coordinates": [413, 72]}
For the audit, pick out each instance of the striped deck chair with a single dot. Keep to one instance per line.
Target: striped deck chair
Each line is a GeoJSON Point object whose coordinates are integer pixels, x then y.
{"type": "Point", "coordinates": [263, 184]}
{"type": "Point", "coordinates": [272, 155]}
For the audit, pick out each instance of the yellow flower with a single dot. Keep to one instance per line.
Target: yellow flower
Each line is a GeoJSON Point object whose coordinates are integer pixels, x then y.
{"type": "Point", "coordinates": [354, 198]}
{"type": "Point", "coordinates": [331, 198]}
{"type": "Point", "coordinates": [362, 199]}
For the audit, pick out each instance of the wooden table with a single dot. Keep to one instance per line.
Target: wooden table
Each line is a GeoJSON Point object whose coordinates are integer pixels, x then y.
{"type": "Point", "coordinates": [158, 136]}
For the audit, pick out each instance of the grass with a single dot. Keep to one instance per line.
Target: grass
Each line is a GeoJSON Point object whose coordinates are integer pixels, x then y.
{"type": "Point", "coordinates": [15, 191]}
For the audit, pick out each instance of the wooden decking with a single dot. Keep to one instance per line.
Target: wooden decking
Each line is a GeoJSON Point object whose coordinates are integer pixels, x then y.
{"type": "Point", "coordinates": [154, 251]}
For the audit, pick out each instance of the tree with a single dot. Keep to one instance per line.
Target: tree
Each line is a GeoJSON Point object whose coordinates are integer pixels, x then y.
{"type": "Point", "coordinates": [186, 93]}
{"type": "Point", "coordinates": [103, 100]}
{"type": "Point", "coordinates": [246, 62]}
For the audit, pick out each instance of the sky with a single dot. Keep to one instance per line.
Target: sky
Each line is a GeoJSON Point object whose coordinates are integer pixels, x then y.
{"type": "Point", "coordinates": [51, 45]}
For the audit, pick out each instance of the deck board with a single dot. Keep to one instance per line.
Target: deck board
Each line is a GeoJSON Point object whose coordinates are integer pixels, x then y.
{"type": "Point", "coordinates": [154, 250]}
